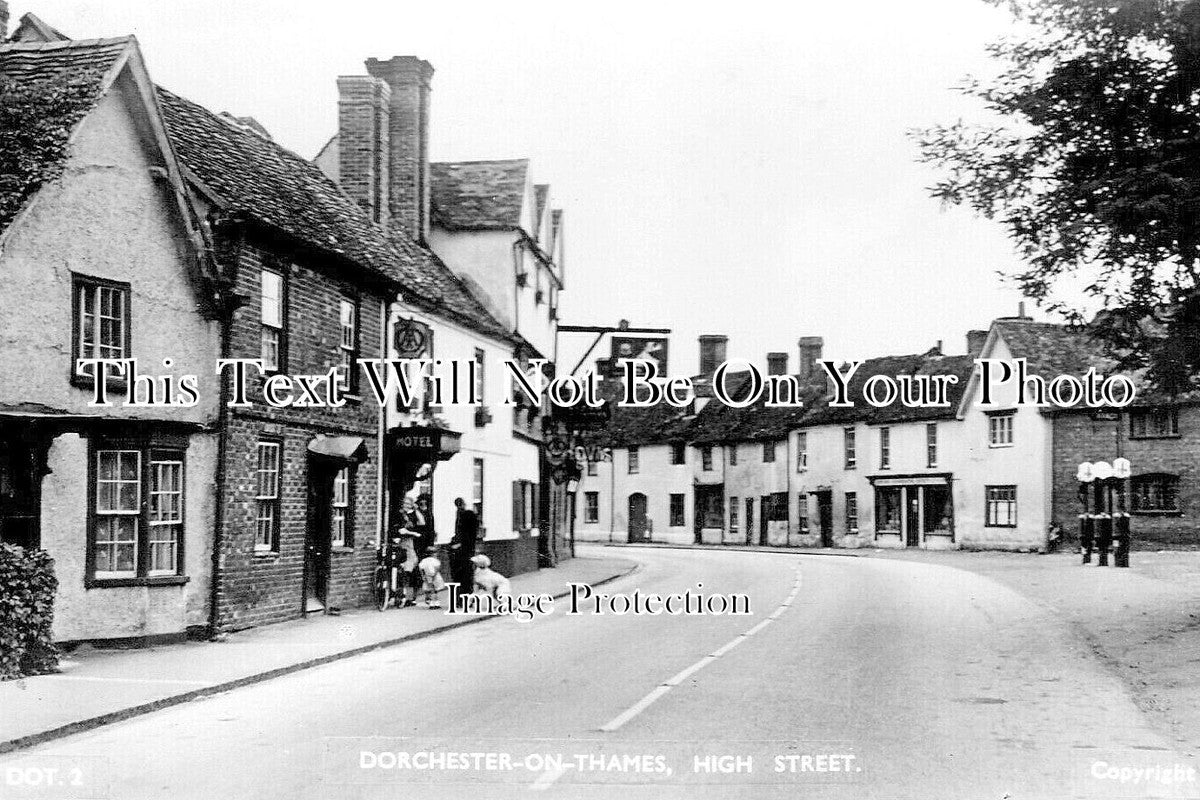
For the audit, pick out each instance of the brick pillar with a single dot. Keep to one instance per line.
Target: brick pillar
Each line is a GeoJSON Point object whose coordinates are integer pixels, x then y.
{"type": "Point", "coordinates": [363, 116]}
{"type": "Point", "coordinates": [408, 134]}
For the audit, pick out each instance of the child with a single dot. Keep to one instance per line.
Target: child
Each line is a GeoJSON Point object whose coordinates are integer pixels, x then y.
{"type": "Point", "coordinates": [431, 575]}
{"type": "Point", "coordinates": [487, 580]}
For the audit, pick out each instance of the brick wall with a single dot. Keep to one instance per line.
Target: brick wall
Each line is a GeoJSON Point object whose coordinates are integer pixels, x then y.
{"type": "Point", "coordinates": [1078, 437]}
{"type": "Point", "coordinates": [256, 588]}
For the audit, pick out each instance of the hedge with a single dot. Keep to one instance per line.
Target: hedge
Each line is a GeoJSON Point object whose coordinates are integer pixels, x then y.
{"type": "Point", "coordinates": [27, 587]}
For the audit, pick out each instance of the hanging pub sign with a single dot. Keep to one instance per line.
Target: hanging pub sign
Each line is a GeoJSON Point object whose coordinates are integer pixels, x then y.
{"type": "Point", "coordinates": [654, 350]}
{"type": "Point", "coordinates": [413, 339]}
{"type": "Point", "coordinates": [583, 417]}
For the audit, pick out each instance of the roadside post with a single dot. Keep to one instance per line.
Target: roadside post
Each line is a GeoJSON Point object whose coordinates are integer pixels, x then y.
{"type": "Point", "coordinates": [1086, 528]}
{"type": "Point", "coordinates": [1104, 523]}
{"type": "Point", "coordinates": [1122, 469]}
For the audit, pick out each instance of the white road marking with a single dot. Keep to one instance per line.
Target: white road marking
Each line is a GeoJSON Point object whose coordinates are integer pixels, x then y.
{"type": "Point", "coordinates": [666, 686]}
{"type": "Point", "coordinates": [546, 779]}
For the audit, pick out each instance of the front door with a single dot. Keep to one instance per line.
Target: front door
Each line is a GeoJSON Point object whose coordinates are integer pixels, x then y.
{"type": "Point", "coordinates": [317, 541]}
{"type": "Point", "coordinates": [825, 517]}
{"type": "Point", "coordinates": [20, 492]}
{"type": "Point", "coordinates": [749, 520]}
{"type": "Point", "coordinates": [637, 517]}
{"type": "Point", "coordinates": [912, 517]}
{"type": "Point", "coordinates": [764, 516]}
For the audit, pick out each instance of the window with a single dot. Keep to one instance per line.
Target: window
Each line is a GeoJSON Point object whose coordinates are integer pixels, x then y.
{"type": "Point", "coordinates": [634, 460]}
{"type": "Point", "coordinates": [777, 509]}
{"type": "Point", "coordinates": [733, 455]}
{"type": "Point", "coordinates": [706, 458]}
{"type": "Point", "coordinates": [348, 349]}
{"type": "Point", "coordinates": [768, 452]}
{"type": "Point", "coordinates": [677, 515]}
{"type": "Point", "coordinates": [801, 452]}
{"type": "Point", "coordinates": [712, 507]}
{"type": "Point", "coordinates": [101, 314]}
{"type": "Point", "coordinates": [132, 538]}
{"type": "Point", "coordinates": [931, 444]}
{"type": "Point", "coordinates": [733, 515]}
{"type": "Point", "coordinates": [887, 510]}
{"type": "Point", "coordinates": [339, 517]}
{"type": "Point", "coordinates": [1155, 492]}
{"type": "Point", "coordinates": [477, 490]}
{"type": "Point", "coordinates": [272, 316]}
{"type": "Point", "coordinates": [591, 506]}
{"type": "Point", "coordinates": [1001, 507]}
{"type": "Point", "coordinates": [885, 448]}
{"type": "Point", "coordinates": [166, 516]}
{"type": "Point", "coordinates": [479, 383]}
{"type": "Point", "coordinates": [1000, 429]}
{"type": "Point", "coordinates": [268, 497]}
{"type": "Point", "coordinates": [802, 513]}
{"type": "Point", "coordinates": [1152, 423]}
{"type": "Point", "coordinates": [592, 467]}
{"type": "Point", "coordinates": [851, 454]}
{"type": "Point", "coordinates": [678, 453]}
{"type": "Point", "coordinates": [851, 512]}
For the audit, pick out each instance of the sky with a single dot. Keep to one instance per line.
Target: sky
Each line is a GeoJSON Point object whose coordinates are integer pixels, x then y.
{"type": "Point", "coordinates": [741, 170]}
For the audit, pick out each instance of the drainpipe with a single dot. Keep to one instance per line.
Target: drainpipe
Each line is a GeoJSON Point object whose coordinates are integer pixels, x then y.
{"type": "Point", "coordinates": [612, 497]}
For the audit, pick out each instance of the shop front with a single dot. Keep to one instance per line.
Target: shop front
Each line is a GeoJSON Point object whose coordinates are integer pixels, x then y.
{"type": "Point", "coordinates": [914, 511]}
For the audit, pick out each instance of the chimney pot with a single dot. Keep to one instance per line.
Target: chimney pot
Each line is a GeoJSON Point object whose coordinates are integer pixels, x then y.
{"type": "Point", "coordinates": [975, 341]}
{"type": "Point", "coordinates": [777, 363]}
{"type": "Point", "coordinates": [811, 348]}
{"type": "Point", "coordinates": [408, 140]}
{"type": "Point", "coordinates": [712, 352]}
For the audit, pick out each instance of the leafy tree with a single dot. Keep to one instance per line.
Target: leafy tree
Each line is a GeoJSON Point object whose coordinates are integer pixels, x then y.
{"type": "Point", "coordinates": [1094, 168]}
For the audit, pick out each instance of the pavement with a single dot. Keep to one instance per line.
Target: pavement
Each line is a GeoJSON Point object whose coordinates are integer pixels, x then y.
{"type": "Point", "coordinates": [851, 678]}
{"type": "Point", "coordinates": [101, 686]}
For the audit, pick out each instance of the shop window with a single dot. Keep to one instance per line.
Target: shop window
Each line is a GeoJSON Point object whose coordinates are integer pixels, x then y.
{"type": "Point", "coordinates": [887, 510]}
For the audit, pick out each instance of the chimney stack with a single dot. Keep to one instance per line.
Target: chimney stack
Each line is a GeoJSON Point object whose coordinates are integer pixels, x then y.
{"type": "Point", "coordinates": [1021, 309]}
{"type": "Point", "coordinates": [777, 363]}
{"type": "Point", "coordinates": [975, 340]}
{"type": "Point", "coordinates": [408, 139]}
{"type": "Point", "coordinates": [712, 352]}
{"type": "Point", "coordinates": [363, 152]}
{"type": "Point", "coordinates": [811, 348]}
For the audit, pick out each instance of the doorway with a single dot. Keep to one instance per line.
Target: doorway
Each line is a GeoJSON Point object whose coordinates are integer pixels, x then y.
{"type": "Point", "coordinates": [912, 517]}
{"type": "Point", "coordinates": [825, 517]}
{"type": "Point", "coordinates": [317, 543]}
{"type": "Point", "coordinates": [637, 517]}
{"type": "Point", "coordinates": [749, 520]}
{"type": "Point", "coordinates": [20, 492]}
{"type": "Point", "coordinates": [764, 518]}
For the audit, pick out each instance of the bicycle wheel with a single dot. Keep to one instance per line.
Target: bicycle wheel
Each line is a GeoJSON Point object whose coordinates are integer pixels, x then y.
{"type": "Point", "coordinates": [383, 592]}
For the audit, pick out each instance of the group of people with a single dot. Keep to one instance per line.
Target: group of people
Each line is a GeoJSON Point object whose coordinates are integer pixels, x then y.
{"type": "Point", "coordinates": [413, 551]}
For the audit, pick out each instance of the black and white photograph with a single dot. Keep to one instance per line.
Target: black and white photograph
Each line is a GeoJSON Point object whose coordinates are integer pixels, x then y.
{"type": "Point", "coordinates": [578, 400]}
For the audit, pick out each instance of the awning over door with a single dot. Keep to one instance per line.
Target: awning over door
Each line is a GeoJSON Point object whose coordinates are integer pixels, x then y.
{"type": "Point", "coordinates": [345, 449]}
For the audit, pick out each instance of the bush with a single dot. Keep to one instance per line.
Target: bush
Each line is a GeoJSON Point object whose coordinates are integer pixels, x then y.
{"type": "Point", "coordinates": [27, 587]}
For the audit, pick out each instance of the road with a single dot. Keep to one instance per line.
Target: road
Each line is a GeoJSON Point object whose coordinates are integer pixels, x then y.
{"type": "Point", "coordinates": [911, 680]}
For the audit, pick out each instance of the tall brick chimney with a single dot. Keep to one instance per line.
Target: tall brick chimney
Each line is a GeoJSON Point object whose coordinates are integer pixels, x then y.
{"type": "Point", "coordinates": [408, 137]}
{"type": "Point", "coordinates": [363, 152]}
{"type": "Point", "coordinates": [811, 348]}
{"type": "Point", "coordinates": [975, 340]}
{"type": "Point", "coordinates": [777, 363]}
{"type": "Point", "coordinates": [712, 352]}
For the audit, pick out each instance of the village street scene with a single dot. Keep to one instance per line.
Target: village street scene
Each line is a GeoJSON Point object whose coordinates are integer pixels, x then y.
{"type": "Point", "coordinates": [925, 524]}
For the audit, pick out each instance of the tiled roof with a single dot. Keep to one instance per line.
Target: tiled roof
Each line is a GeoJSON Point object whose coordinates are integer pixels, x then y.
{"type": "Point", "coordinates": [931, 363]}
{"type": "Point", "coordinates": [32, 61]}
{"type": "Point", "coordinates": [256, 177]}
{"type": "Point", "coordinates": [1050, 350]}
{"type": "Point", "coordinates": [478, 195]}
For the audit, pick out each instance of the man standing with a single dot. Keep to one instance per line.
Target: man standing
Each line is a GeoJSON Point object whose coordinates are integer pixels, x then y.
{"type": "Point", "coordinates": [462, 546]}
